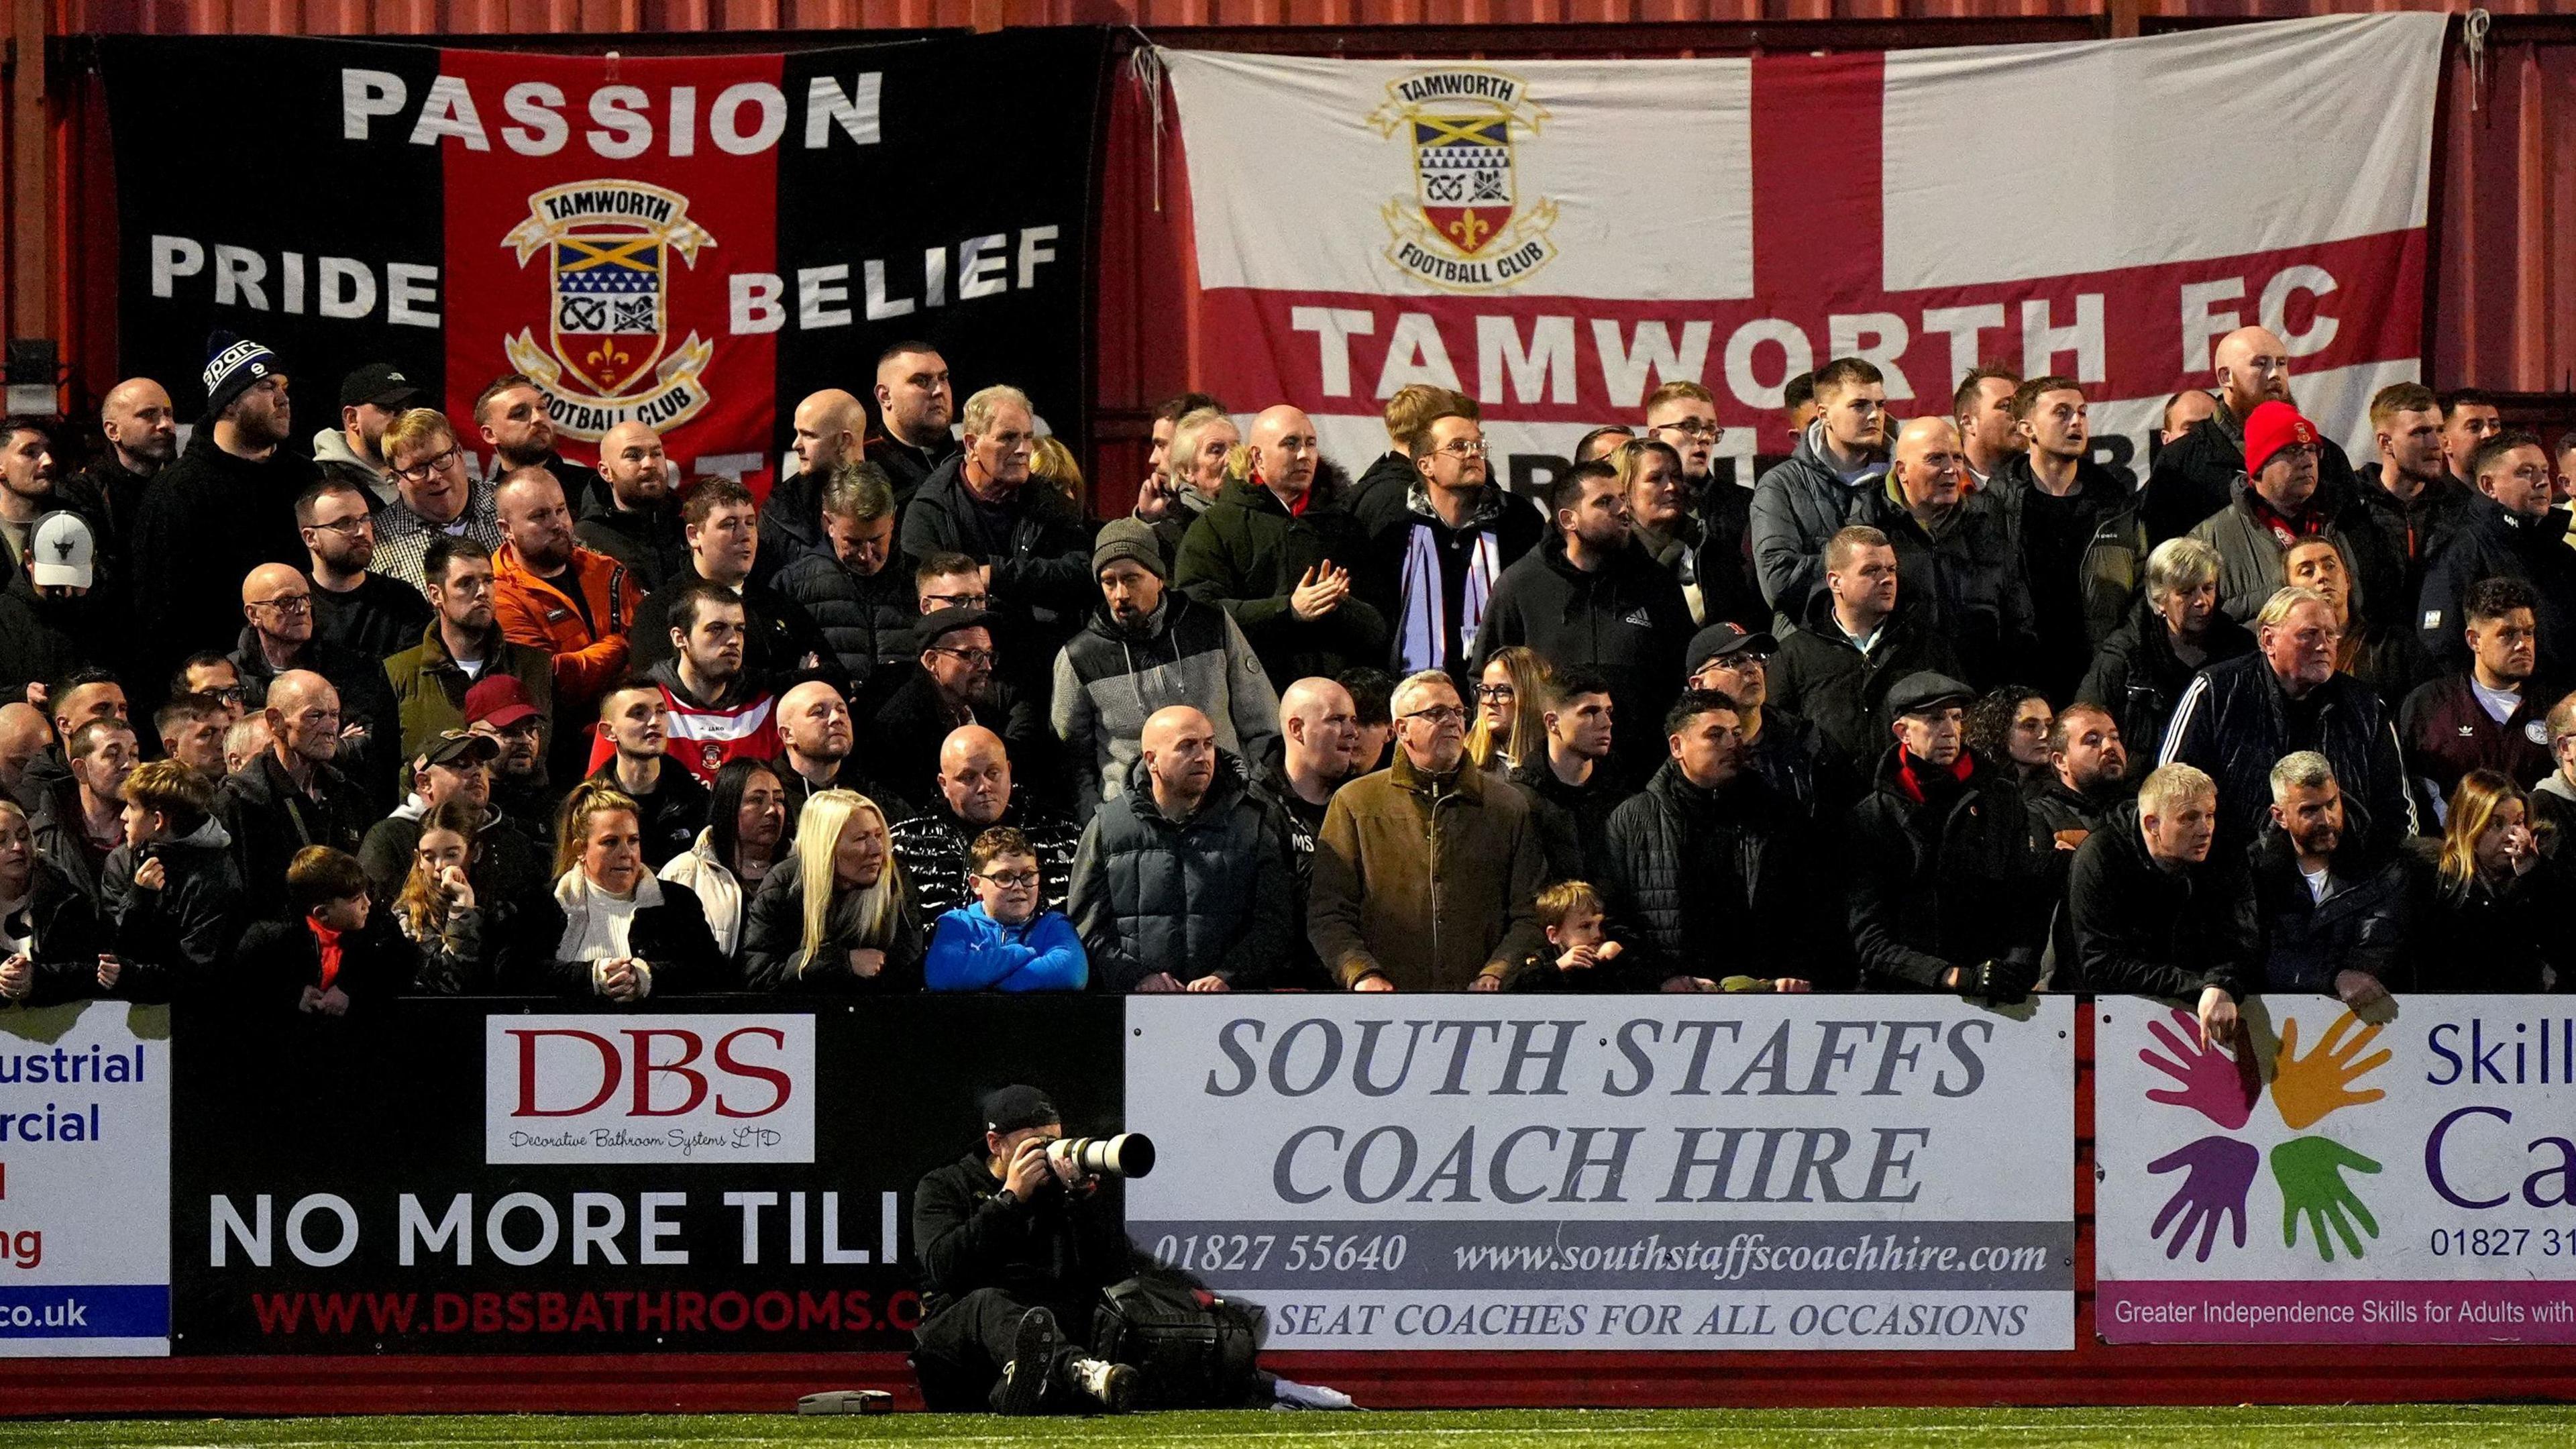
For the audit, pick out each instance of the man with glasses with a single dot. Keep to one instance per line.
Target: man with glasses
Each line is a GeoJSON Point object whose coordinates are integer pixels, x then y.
{"type": "Point", "coordinates": [2240, 716]}
{"type": "Point", "coordinates": [958, 684]}
{"type": "Point", "coordinates": [2510, 531]}
{"type": "Point", "coordinates": [1414, 407]}
{"type": "Point", "coordinates": [1427, 873]}
{"type": "Point", "coordinates": [1440, 544]}
{"type": "Point", "coordinates": [354, 607]}
{"type": "Point", "coordinates": [1782, 747]}
{"type": "Point", "coordinates": [1800, 503]}
{"type": "Point", "coordinates": [279, 637]}
{"type": "Point", "coordinates": [463, 644]}
{"type": "Point", "coordinates": [1694, 523]}
{"type": "Point", "coordinates": [1029, 542]}
{"type": "Point", "coordinates": [2195, 476]}
{"type": "Point", "coordinates": [438, 496]}
{"type": "Point", "coordinates": [294, 795]}
{"type": "Point", "coordinates": [223, 509]}
{"type": "Point", "coordinates": [2278, 503]}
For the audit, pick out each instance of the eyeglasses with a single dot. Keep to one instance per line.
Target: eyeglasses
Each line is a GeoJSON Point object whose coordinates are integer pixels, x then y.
{"type": "Point", "coordinates": [1464, 448]}
{"type": "Point", "coordinates": [1016, 880]}
{"type": "Point", "coordinates": [967, 656]}
{"type": "Point", "coordinates": [349, 527]}
{"type": "Point", "coordinates": [1440, 714]}
{"type": "Point", "coordinates": [1485, 692]}
{"type": "Point", "coordinates": [421, 471]}
{"type": "Point", "coordinates": [285, 603]}
{"type": "Point", "coordinates": [1698, 428]}
{"type": "Point", "coordinates": [229, 694]}
{"type": "Point", "coordinates": [957, 601]}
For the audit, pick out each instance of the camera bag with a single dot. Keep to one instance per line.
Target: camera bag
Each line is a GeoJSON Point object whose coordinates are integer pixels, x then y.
{"type": "Point", "coordinates": [1191, 1349]}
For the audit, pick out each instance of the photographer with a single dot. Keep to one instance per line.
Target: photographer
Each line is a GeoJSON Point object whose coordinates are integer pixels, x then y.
{"type": "Point", "coordinates": [1016, 1248]}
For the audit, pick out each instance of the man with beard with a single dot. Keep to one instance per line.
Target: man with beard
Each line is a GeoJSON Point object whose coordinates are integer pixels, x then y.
{"type": "Point", "coordinates": [354, 607]}
{"type": "Point", "coordinates": [277, 637]}
{"type": "Point", "coordinates": [1989, 434]}
{"type": "Point", "coordinates": [1588, 597]}
{"type": "Point", "coordinates": [671, 801]}
{"type": "Point", "coordinates": [437, 496]}
{"type": "Point", "coordinates": [293, 796]}
{"type": "Point", "coordinates": [30, 488]}
{"type": "Point", "coordinates": [719, 707]}
{"type": "Point", "coordinates": [77, 821]}
{"type": "Point", "coordinates": [522, 788]}
{"type": "Point", "coordinates": [955, 686]}
{"type": "Point", "coordinates": [191, 727]}
{"type": "Point", "coordinates": [2088, 774]}
{"type": "Point", "coordinates": [1318, 744]}
{"type": "Point", "coordinates": [552, 594]}
{"type": "Point", "coordinates": [142, 434]}
{"type": "Point", "coordinates": [225, 508]}
{"type": "Point", "coordinates": [462, 645]}
{"type": "Point", "coordinates": [2196, 477]}
{"type": "Point", "coordinates": [722, 524]}
{"type": "Point", "coordinates": [831, 427]}
{"type": "Point", "coordinates": [2469, 417]}
{"type": "Point", "coordinates": [370, 398]}
{"type": "Point", "coordinates": [2410, 499]}
{"type": "Point", "coordinates": [1149, 647]}
{"type": "Point", "coordinates": [1277, 552]}
{"type": "Point", "coordinates": [638, 522]}
{"type": "Point", "coordinates": [917, 405]}
{"type": "Point", "coordinates": [815, 738]}
{"type": "Point", "coordinates": [2334, 917]}
{"type": "Point", "coordinates": [2510, 531]}
{"type": "Point", "coordinates": [1440, 545]}
{"type": "Point", "coordinates": [518, 425]}
{"type": "Point", "coordinates": [509, 866]}
{"type": "Point", "coordinates": [1799, 504]}
{"type": "Point", "coordinates": [2057, 503]}
{"type": "Point", "coordinates": [971, 792]}
{"type": "Point", "coordinates": [2494, 715]}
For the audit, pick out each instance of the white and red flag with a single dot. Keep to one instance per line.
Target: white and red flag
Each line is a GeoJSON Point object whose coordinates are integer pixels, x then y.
{"type": "Point", "coordinates": [1559, 238]}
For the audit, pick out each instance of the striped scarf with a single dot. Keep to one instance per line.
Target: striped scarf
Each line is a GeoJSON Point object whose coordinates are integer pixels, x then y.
{"type": "Point", "coordinates": [1423, 642]}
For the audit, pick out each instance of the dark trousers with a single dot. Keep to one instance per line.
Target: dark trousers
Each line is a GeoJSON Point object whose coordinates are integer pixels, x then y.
{"type": "Point", "coordinates": [958, 1355]}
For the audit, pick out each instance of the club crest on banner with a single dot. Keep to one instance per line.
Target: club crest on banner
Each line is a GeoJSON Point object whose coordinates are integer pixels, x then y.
{"type": "Point", "coordinates": [608, 356]}
{"type": "Point", "coordinates": [1466, 228]}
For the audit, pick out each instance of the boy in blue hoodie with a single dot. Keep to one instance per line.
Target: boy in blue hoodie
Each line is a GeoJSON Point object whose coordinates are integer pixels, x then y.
{"type": "Point", "coordinates": [1002, 943]}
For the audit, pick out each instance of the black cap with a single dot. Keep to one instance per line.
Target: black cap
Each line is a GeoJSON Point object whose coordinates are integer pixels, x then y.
{"type": "Point", "coordinates": [453, 746]}
{"type": "Point", "coordinates": [940, 622]}
{"type": "Point", "coordinates": [1721, 639]}
{"type": "Point", "coordinates": [1925, 691]}
{"type": "Point", "coordinates": [1015, 1107]}
{"type": "Point", "coordinates": [380, 383]}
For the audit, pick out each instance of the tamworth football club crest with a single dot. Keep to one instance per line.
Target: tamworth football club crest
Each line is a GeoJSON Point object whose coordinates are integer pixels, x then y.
{"type": "Point", "coordinates": [608, 357]}
{"type": "Point", "coordinates": [1466, 228]}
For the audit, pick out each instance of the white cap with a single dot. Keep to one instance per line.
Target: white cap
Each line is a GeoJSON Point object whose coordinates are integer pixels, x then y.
{"type": "Point", "coordinates": [63, 548]}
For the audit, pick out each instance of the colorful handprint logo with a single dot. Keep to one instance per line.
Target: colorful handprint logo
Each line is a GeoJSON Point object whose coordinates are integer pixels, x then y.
{"type": "Point", "coordinates": [2219, 1170]}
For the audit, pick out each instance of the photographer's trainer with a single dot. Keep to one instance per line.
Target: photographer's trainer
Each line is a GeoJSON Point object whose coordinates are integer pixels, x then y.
{"type": "Point", "coordinates": [1015, 1250]}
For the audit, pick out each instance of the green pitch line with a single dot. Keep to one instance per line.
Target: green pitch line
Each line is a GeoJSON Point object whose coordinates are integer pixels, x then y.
{"type": "Point", "coordinates": [2323, 1428]}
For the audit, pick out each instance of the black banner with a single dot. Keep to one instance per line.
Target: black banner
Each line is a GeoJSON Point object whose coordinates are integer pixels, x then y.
{"type": "Point", "coordinates": [695, 242]}
{"type": "Point", "coordinates": [474, 1177]}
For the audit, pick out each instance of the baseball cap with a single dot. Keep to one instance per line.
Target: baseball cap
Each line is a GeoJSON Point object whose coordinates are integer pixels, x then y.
{"type": "Point", "coordinates": [380, 383]}
{"type": "Point", "coordinates": [1015, 1107]}
{"type": "Point", "coordinates": [1721, 639]}
{"type": "Point", "coordinates": [499, 701]}
{"type": "Point", "coordinates": [462, 747]}
{"type": "Point", "coordinates": [63, 550]}
{"type": "Point", "coordinates": [939, 623]}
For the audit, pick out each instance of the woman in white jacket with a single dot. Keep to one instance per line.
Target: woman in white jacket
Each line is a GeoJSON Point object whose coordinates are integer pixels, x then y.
{"type": "Point", "coordinates": [746, 817]}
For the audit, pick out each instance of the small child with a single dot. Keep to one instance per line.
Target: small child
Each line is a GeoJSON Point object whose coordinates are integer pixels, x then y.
{"type": "Point", "coordinates": [1002, 942]}
{"type": "Point", "coordinates": [329, 957]}
{"type": "Point", "coordinates": [1580, 949]}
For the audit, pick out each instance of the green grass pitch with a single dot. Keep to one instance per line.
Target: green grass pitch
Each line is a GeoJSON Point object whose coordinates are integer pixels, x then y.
{"type": "Point", "coordinates": [2323, 1428]}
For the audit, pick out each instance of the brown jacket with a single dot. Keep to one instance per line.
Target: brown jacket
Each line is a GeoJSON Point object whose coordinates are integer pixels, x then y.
{"type": "Point", "coordinates": [1428, 890]}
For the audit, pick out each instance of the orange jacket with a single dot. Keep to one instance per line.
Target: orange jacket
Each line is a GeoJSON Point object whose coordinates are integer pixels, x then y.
{"type": "Point", "coordinates": [537, 612]}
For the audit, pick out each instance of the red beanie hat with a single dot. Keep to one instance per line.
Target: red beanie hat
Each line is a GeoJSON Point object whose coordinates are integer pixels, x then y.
{"type": "Point", "coordinates": [2271, 427]}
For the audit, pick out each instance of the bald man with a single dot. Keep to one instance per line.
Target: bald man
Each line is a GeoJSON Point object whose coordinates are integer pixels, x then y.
{"type": "Point", "coordinates": [277, 602]}
{"type": "Point", "coordinates": [142, 437]}
{"type": "Point", "coordinates": [917, 403]}
{"type": "Point", "coordinates": [815, 735]}
{"type": "Point", "coordinates": [552, 594]}
{"type": "Point", "coordinates": [972, 792]}
{"type": "Point", "coordinates": [1437, 546]}
{"type": "Point", "coordinates": [831, 429]}
{"type": "Point", "coordinates": [2201, 473]}
{"type": "Point", "coordinates": [1954, 555]}
{"type": "Point", "coordinates": [638, 523]}
{"type": "Point", "coordinates": [294, 794]}
{"type": "Point", "coordinates": [1281, 553]}
{"type": "Point", "coordinates": [1185, 885]}
{"type": "Point", "coordinates": [24, 734]}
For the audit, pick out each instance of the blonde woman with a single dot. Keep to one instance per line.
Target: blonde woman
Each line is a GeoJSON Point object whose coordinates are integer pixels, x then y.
{"type": "Point", "coordinates": [832, 917]}
{"type": "Point", "coordinates": [2491, 918]}
{"type": "Point", "coordinates": [618, 934]}
{"type": "Point", "coordinates": [1511, 700]}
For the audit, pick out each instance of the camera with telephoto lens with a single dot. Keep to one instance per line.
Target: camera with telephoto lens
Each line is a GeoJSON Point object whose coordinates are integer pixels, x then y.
{"type": "Point", "coordinates": [1129, 1154]}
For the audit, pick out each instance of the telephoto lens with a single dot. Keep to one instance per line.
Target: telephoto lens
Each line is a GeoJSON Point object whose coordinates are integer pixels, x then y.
{"type": "Point", "coordinates": [1129, 1154]}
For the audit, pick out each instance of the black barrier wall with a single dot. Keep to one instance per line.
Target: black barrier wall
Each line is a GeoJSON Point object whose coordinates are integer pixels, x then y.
{"type": "Point", "coordinates": [365, 1187]}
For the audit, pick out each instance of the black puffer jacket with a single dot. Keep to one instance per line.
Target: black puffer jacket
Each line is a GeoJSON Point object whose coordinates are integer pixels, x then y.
{"type": "Point", "coordinates": [2195, 476]}
{"type": "Point", "coordinates": [1041, 564]}
{"type": "Point", "coordinates": [1954, 876]}
{"type": "Point", "coordinates": [2137, 678]}
{"type": "Point", "coordinates": [2492, 543]}
{"type": "Point", "coordinates": [1969, 576]}
{"type": "Point", "coordinates": [1573, 820]}
{"type": "Point", "coordinates": [2143, 930]}
{"type": "Point", "coordinates": [1625, 620]}
{"type": "Point", "coordinates": [270, 819]}
{"type": "Point", "coordinates": [69, 938]}
{"type": "Point", "coordinates": [867, 619]}
{"type": "Point", "coordinates": [773, 942]}
{"type": "Point", "coordinates": [1245, 555]}
{"type": "Point", "coordinates": [2234, 723]}
{"type": "Point", "coordinates": [1211, 895]}
{"type": "Point", "coordinates": [2361, 926]}
{"type": "Point", "coordinates": [1712, 883]}
{"type": "Point", "coordinates": [932, 847]}
{"type": "Point", "coordinates": [178, 940]}
{"type": "Point", "coordinates": [1821, 674]}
